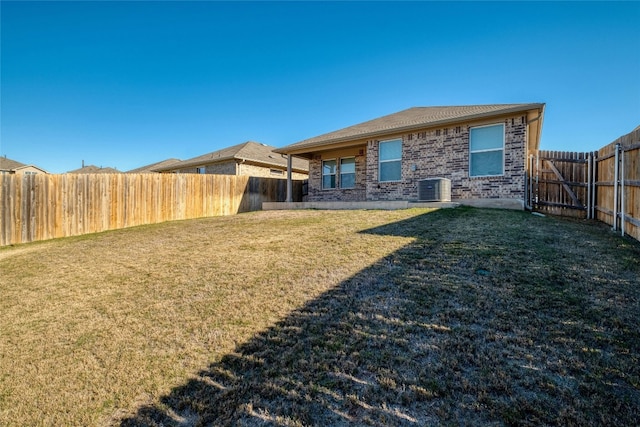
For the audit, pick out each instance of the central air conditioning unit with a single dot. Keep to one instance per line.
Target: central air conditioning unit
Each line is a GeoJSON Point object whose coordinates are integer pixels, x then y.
{"type": "Point", "coordinates": [434, 190]}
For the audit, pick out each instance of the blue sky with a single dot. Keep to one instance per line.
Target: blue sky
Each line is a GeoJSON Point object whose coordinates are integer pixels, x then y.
{"type": "Point", "coordinates": [124, 84]}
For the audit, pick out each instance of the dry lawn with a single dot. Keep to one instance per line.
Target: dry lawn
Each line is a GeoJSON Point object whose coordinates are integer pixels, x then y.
{"type": "Point", "coordinates": [461, 316]}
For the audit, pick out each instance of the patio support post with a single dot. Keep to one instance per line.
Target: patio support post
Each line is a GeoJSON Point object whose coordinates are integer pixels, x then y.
{"type": "Point", "coordinates": [289, 183]}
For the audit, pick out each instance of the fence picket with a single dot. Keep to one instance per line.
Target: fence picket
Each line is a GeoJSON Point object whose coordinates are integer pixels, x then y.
{"type": "Point", "coordinates": [43, 206]}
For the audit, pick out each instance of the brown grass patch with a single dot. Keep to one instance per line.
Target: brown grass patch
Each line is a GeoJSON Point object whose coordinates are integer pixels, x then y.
{"type": "Point", "coordinates": [462, 316]}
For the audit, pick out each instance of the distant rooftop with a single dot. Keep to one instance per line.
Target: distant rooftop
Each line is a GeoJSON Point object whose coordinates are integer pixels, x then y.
{"type": "Point", "coordinates": [94, 169]}
{"type": "Point", "coordinates": [155, 167]}
{"type": "Point", "coordinates": [9, 165]}
{"type": "Point", "coordinates": [250, 151]}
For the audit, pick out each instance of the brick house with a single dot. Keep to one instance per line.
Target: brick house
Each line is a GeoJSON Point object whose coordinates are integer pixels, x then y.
{"type": "Point", "coordinates": [481, 149]}
{"type": "Point", "coordinates": [249, 158]}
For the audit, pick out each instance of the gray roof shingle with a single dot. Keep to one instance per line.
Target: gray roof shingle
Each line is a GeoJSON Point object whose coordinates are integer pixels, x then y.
{"type": "Point", "coordinates": [406, 120]}
{"type": "Point", "coordinates": [9, 165]}
{"type": "Point", "coordinates": [251, 151]}
{"type": "Point", "coordinates": [154, 167]}
{"type": "Point", "coordinates": [94, 169]}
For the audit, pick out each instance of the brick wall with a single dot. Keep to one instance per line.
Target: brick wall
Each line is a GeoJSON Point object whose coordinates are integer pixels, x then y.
{"type": "Point", "coordinates": [318, 194]}
{"type": "Point", "coordinates": [445, 153]}
{"type": "Point", "coordinates": [430, 153]}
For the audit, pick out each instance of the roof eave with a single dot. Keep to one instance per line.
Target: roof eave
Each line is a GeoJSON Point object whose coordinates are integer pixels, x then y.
{"type": "Point", "coordinates": [291, 149]}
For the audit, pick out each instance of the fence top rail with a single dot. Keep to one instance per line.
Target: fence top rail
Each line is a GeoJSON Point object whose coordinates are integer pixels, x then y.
{"type": "Point", "coordinates": [565, 160]}
{"type": "Point", "coordinates": [627, 142]}
{"type": "Point", "coordinates": [566, 155]}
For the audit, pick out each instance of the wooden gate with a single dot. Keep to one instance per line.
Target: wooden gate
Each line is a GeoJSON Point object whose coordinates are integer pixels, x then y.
{"type": "Point", "coordinates": [563, 183]}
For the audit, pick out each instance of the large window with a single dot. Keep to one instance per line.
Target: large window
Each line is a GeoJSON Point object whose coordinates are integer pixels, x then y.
{"type": "Point", "coordinates": [486, 150]}
{"type": "Point", "coordinates": [348, 172]}
{"type": "Point", "coordinates": [391, 160]}
{"type": "Point", "coordinates": [328, 174]}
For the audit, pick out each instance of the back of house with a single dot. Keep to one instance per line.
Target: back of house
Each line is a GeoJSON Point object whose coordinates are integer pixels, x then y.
{"type": "Point", "coordinates": [479, 153]}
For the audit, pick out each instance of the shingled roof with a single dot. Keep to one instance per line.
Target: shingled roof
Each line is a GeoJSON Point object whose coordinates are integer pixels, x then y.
{"type": "Point", "coordinates": [94, 169]}
{"type": "Point", "coordinates": [407, 120]}
{"type": "Point", "coordinates": [13, 166]}
{"type": "Point", "coordinates": [9, 165]}
{"type": "Point", "coordinates": [155, 167]}
{"type": "Point", "coordinates": [250, 151]}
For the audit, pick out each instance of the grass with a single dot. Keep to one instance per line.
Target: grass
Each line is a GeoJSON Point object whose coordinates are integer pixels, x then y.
{"type": "Point", "coordinates": [461, 316]}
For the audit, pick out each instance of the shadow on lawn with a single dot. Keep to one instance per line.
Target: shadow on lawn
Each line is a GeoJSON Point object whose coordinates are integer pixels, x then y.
{"type": "Point", "coordinates": [470, 324]}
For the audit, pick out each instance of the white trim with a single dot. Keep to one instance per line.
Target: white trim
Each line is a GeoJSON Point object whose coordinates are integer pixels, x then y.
{"type": "Point", "coordinates": [504, 138]}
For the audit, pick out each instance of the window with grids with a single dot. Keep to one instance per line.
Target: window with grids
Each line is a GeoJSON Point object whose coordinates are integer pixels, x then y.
{"type": "Point", "coordinates": [328, 174]}
{"type": "Point", "coordinates": [390, 162]}
{"type": "Point", "coordinates": [486, 150]}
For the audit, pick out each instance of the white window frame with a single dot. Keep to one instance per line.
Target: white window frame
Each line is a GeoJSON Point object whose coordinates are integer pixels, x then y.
{"type": "Point", "coordinates": [488, 150]}
{"type": "Point", "coordinates": [322, 174]}
{"type": "Point", "coordinates": [340, 171]}
{"type": "Point", "coordinates": [380, 162]}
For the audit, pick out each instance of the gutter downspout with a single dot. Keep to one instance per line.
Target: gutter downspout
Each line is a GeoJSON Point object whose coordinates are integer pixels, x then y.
{"type": "Point", "coordinates": [529, 205]}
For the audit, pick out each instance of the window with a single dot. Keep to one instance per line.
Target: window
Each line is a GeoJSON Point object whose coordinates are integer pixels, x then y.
{"type": "Point", "coordinates": [486, 150]}
{"type": "Point", "coordinates": [276, 172]}
{"type": "Point", "coordinates": [348, 172]}
{"type": "Point", "coordinates": [391, 160]}
{"type": "Point", "coordinates": [202, 170]}
{"type": "Point", "coordinates": [328, 174]}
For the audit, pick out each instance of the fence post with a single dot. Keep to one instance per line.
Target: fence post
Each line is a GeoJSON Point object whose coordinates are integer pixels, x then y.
{"type": "Point", "coordinates": [615, 187]}
{"type": "Point", "coordinates": [537, 176]}
{"type": "Point", "coordinates": [594, 166]}
{"type": "Point", "coordinates": [622, 192]}
{"type": "Point", "coordinates": [589, 186]}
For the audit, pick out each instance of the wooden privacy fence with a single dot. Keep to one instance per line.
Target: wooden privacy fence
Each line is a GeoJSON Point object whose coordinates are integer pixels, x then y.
{"type": "Point", "coordinates": [42, 206]}
{"type": "Point", "coordinates": [603, 184]}
{"type": "Point", "coordinates": [618, 184]}
{"type": "Point", "coordinates": [563, 183]}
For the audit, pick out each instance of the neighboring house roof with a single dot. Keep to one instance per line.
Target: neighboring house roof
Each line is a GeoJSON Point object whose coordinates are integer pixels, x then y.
{"type": "Point", "coordinates": [155, 167]}
{"type": "Point", "coordinates": [29, 167]}
{"type": "Point", "coordinates": [94, 169]}
{"type": "Point", "coordinates": [9, 165]}
{"type": "Point", "coordinates": [407, 120]}
{"type": "Point", "coordinates": [250, 151]}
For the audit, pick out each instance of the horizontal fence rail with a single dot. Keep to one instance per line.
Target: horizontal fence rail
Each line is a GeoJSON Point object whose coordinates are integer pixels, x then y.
{"type": "Point", "coordinates": [44, 206]}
